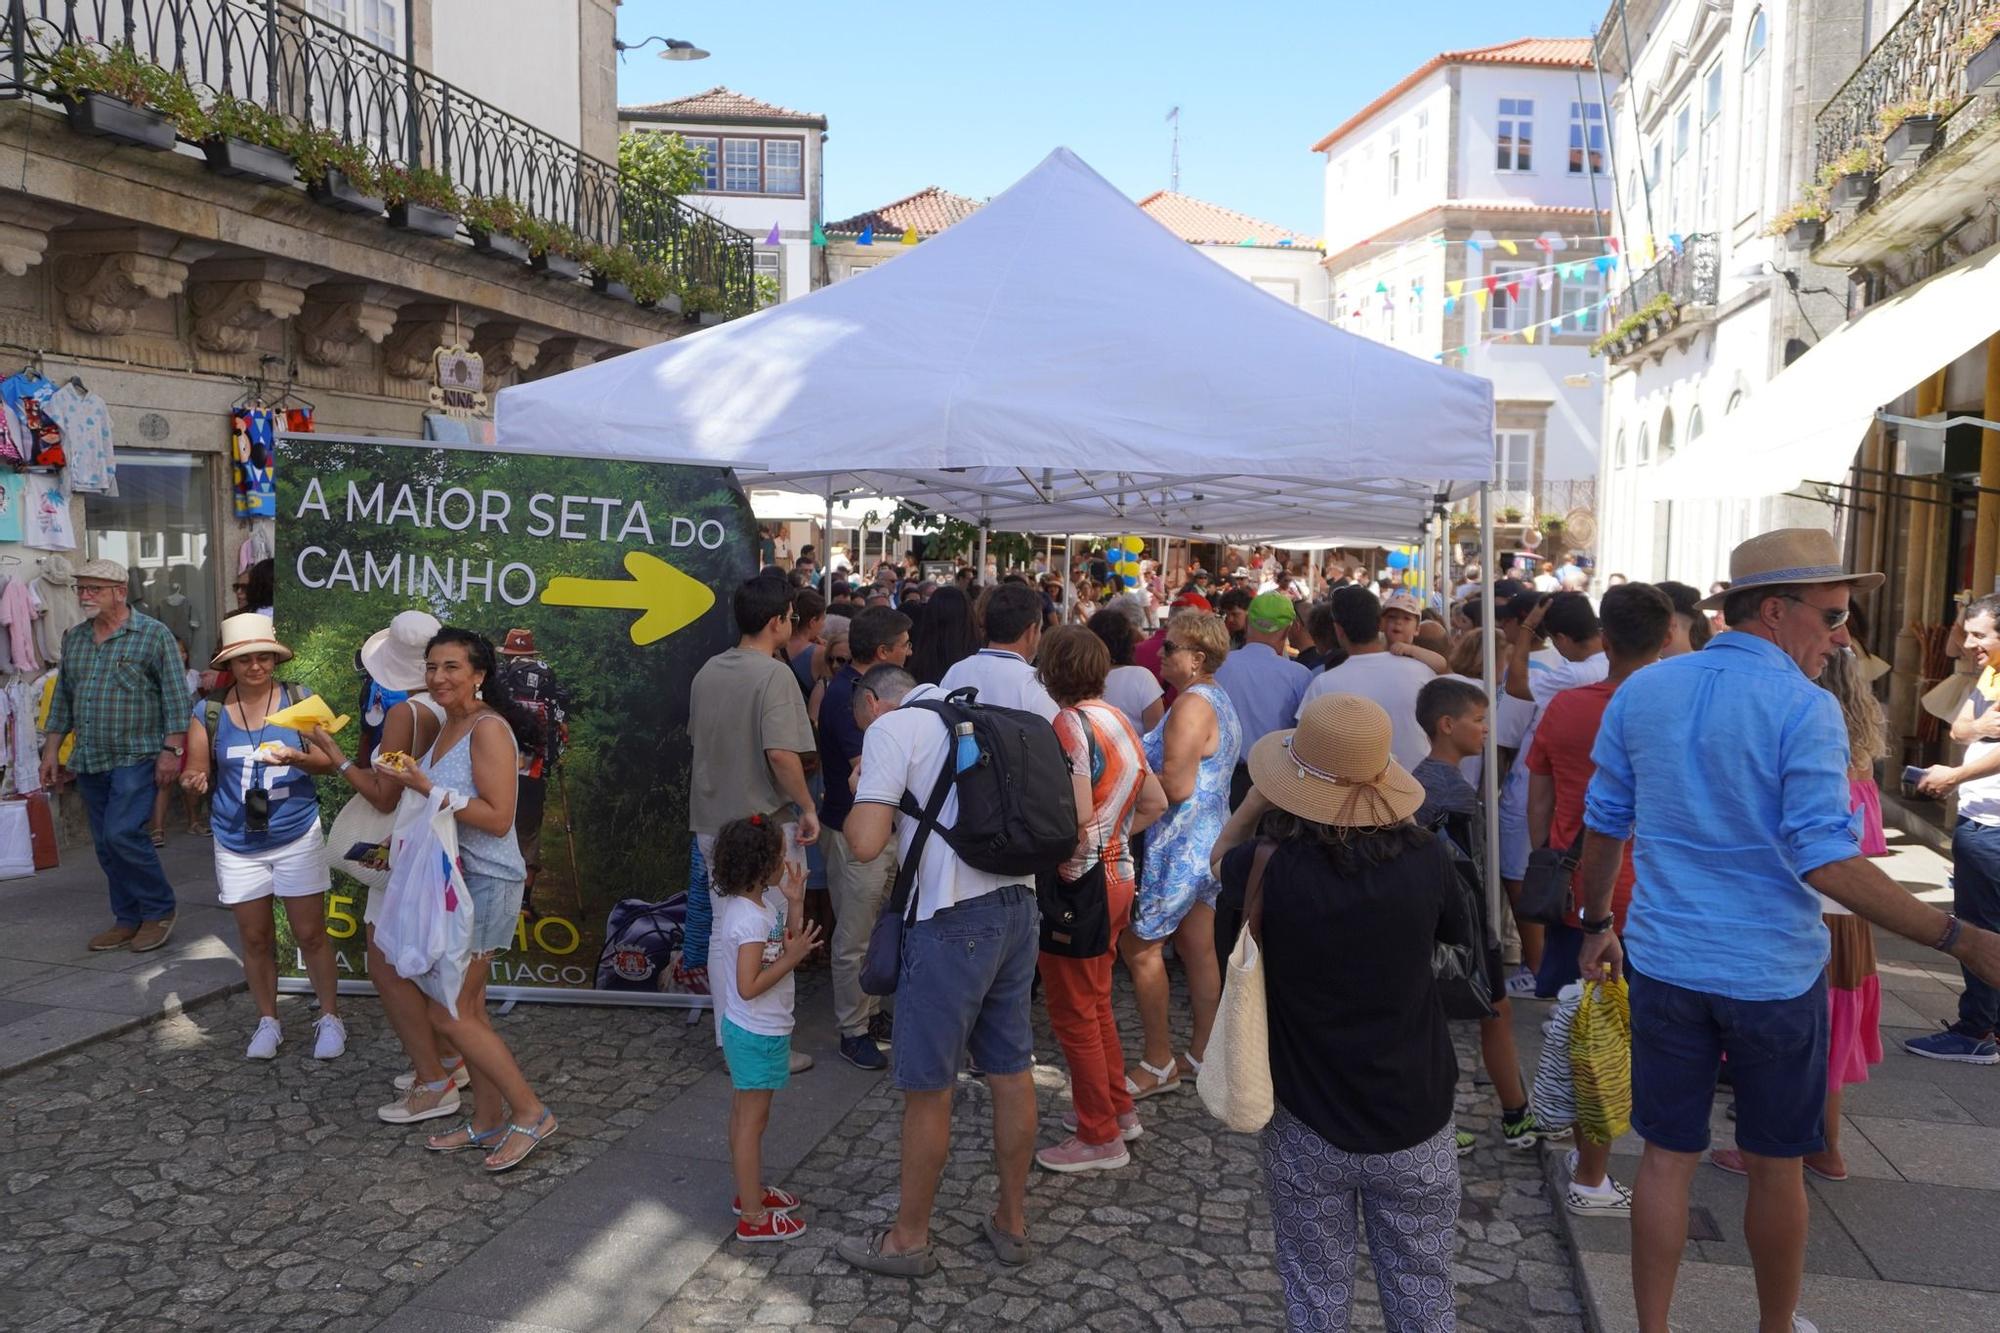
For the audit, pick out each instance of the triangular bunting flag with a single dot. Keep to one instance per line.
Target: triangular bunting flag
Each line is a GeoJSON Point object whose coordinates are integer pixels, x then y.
{"type": "Point", "coordinates": [1611, 244]}
{"type": "Point", "coordinates": [868, 235]}
{"type": "Point", "coordinates": [1652, 252]}
{"type": "Point", "coordinates": [1674, 239]}
{"type": "Point", "coordinates": [773, 238]}
{"type": "Point", "coordinates": [1481, 294]}
{"type": "Point", "coordinates": [1514, 290]}
{"type": "Point", "coordinates": [819, 235]}
{"type": "Point", "coordinates": [1382, 288]}
{"type": "Point", "coordinates": [1542, 244]}
{"type": "Point", "coordinates": [1510, 247]}
{"type": "Point", "coordinates": [1450, 304]}
{"type": "Point", "coordinates": [1547, 280]}
{"type": "Point", "coordinates": [909, 236]}
{"type": "Point", "coordinates": [1454, 286]}
{"type": "Point", "coordinates": [1490, 281]}
{"type": "Point", "coordinates": [1247, 241]}
{"type": "Point", "coordinates": [1474, 247]}
{"type": "Point", "coordinates": [1285, 243]}
{"type": "Point", "coordinates": [1604, 263]}
{"type": "Point", "coordinates": [1528, 334]}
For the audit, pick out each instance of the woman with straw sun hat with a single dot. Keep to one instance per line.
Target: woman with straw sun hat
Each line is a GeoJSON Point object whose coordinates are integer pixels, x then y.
{"type": "Point", "coordinates": [264, 813]}
{"type": "Point", "coordinates": [1347, 897]}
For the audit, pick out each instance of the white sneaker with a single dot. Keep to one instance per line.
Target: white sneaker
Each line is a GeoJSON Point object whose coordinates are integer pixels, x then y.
{"type": "Point", "coordinates": [264, 1042]}
{"type": "Point", "coordinates": [1609, 1198]}
{"type": "Point", "coordinates": [1801, 1324]}
{"type": "Point", "coordinates": [331, 1041]}
{"type": "Point", "coordinates": [460, 1076]}
{"type": "Point", "coordinates": [801, 1062]}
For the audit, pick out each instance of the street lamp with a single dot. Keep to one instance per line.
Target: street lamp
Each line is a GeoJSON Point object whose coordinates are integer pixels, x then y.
{"type": "Point", "coordinates": [675, 48]}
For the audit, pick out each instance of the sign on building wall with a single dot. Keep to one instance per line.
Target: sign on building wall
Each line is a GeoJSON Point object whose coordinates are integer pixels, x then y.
{"type": "Point", "coordinates": [619, 571]}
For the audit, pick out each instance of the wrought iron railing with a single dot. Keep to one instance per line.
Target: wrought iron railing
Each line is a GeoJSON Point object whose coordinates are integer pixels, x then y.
{"type": "Point", "coordinates": [313, 71]}
{"type": "Point", "coordinates": [1918, 60]}
{"type": "Point", "coordinates": [1688, 277]}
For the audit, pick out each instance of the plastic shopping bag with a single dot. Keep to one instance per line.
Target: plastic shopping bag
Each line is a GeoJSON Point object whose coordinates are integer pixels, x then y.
{"type": "Point", "coordinates": [1600, 1060]}
{"type": "Point", "coordinates": [425, 930]}
{"type": "Point", "coordinates": [1555, 1086]}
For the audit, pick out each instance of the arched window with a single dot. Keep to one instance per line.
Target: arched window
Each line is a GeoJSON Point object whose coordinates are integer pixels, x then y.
{"type": "Point", "coordinates": [1666, 449]}
{"type": "Point", "coordinates": [1735, 401]}
{"type": "Point", "coordinates": [1645, 445]}
{"type": "Point", "coordinates": [1754, 117]}
{"type": "Point", "coordinates": [1618, 451]}
{"type": "Point", "coordinates": [1695, 424]}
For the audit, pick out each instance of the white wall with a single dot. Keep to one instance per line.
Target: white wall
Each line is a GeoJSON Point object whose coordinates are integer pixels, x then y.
{"type": "Point", "coordinates": [1548, 179]}
{"type": "Point", "coordinates": [520, 55]}
{"type": "Point", "coordinates": [1359, 202]}
{"type": "Point", "coordinates": [1295, 277]}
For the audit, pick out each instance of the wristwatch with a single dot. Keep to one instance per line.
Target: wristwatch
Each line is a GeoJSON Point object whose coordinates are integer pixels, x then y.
{"type": "Point", "coordinates": [1596, 927]}
{"type": "Point", "coordinates": [177, 751]}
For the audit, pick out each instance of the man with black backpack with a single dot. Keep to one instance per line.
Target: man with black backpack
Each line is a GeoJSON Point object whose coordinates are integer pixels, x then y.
{"type": "Point", "coordinates": [987, 802]}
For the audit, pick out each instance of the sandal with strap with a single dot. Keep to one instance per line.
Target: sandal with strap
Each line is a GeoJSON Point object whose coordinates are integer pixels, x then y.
{"type": "Point", "coordinates": [474, 1138]}
{"type": "Point", "coordinates": [1165, 1079]}
{"type": "Point", "coordinates": [534, 1134]}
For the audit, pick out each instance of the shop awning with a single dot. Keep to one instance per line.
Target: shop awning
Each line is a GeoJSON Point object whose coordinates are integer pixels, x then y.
{"type": "Point", "coordinates": [1807, 422]}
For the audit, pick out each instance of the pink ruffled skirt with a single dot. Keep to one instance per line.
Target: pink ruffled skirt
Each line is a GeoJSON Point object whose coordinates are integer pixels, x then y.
{"type": "Point", "coordinates": [1863, 796]}
{"type": "Point", "coordinates": [1854, 1003]}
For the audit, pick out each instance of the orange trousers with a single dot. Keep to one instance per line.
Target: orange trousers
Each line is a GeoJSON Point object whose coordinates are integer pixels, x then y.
{"type": "Point", "coordinates": [1078, 992]}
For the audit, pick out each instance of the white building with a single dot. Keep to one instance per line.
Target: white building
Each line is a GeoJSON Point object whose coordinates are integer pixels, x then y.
{"type": "Point", "coordinates": [1267, 256]}
{"type": "Point", "coordinates": [764, 171]}
{"type": "Point", "coordinates": [1711, 137]}
{"type": "Point", "coordinates": [1480, 181]}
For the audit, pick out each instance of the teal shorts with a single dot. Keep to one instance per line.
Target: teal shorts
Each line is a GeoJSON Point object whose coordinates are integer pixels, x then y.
{"type": "Point", "coordinates": [757, 1063]}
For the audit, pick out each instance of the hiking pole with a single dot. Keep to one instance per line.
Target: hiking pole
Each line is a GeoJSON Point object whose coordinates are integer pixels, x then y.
{"type": "Point", "coordinates": [569, 840]}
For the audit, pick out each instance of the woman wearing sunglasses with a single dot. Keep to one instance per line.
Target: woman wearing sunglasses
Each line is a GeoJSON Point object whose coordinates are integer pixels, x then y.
{"type": "Point", "coordinates": [265, 817]}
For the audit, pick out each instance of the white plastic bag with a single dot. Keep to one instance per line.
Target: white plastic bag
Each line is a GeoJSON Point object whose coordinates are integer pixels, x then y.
{"type": "Point", "coordinates": [425, 930]}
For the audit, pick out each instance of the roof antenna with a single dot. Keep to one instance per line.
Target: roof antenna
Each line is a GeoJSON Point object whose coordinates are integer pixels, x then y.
{"type": "Point", "coordinates": [1174, 172]}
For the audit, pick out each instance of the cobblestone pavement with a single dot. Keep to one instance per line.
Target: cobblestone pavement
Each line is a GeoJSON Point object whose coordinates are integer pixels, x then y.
{"type": "Point", "coordinates": [159, 1181]}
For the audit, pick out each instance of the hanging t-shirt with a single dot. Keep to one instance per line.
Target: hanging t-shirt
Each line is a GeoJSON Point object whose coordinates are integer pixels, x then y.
{"type": "Point", "coordinates": [27, 395]}
{"type": "Point", "coordinates": [253, 432]}
{"type": "Point", "coordinates": [45, 514]}
{"type": "Point", "coordinates": [294, 803]}
{"type": "Point", "coordinates": [742, 919]}
{"type": "Point", "coordinates": [85, 419]}
{"type": "Point", "coordinates": [13, 493]}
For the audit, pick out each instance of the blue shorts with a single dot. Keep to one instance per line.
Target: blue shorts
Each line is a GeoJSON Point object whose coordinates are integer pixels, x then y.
{"type": "Point", "coordinates": [757, 1063]}
{"type": "Point", "coordinates": [1777, 1053]}
{"type": "Point", "coordinates": [965, 988]}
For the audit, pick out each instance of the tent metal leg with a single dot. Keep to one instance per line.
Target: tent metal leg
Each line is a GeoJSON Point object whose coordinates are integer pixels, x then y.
{"type": "Point", "coordinates": [1489, 774]}
{"type": "Point", "coordinates": [826, 546]}
{"type": "Point", "coordinates": [979, 573]}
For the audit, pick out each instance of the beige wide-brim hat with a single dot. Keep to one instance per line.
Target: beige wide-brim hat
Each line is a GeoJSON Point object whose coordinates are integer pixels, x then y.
{"type": "Point", "coordinates": [1335, 767]}
{"type": "Point", "coordinates": [394, 657]}
{"type": "Point", "coordinates": [246, 634]}
{"type": "Point", "coordinates": [1788, 556]}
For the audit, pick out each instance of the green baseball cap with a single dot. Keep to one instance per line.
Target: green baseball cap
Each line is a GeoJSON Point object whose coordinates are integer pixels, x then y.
{"type": "Point", "coordinates": [1271, 612]}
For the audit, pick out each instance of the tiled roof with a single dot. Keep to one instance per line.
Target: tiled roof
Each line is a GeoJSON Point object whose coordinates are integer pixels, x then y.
{"type": "Point", "coordinates": [1539, 52]}
{"type": "Point", "coordinates": [930, 210]}
{"type": "Point", "coordinates": [719, 104]}
{"type": "Point", "coordinates": [1203, 223]}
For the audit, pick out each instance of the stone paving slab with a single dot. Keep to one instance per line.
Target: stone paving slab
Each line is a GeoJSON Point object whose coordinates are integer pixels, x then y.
{"type": "Point", "coordinates": [1723, 1297]}
{"type": "Point", "coordinates": [1924, 1234]}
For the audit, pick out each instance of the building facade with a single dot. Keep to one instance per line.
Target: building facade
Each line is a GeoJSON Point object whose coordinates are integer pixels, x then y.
{"type": "Point", "coordinates": [764, 176]}
{"type": "Point", "coordinates": [1710, 143]}
{"type": "Point", "coordinates": [857, 244]}
{"type": "Point", "coordinates": [232, 269]}
{"type": "Point", "coordinates": [1466, 211]}
{"type": "Point", "coordinates": [1265, 255]}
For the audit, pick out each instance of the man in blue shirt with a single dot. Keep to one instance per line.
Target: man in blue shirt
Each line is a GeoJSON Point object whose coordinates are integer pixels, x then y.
{"type": "Point", "coordinates": [1729, 766]}
{"type": "Point", "coordinates": [1265, 685]}
{"type": "Point", "coordinates": [876, 636]}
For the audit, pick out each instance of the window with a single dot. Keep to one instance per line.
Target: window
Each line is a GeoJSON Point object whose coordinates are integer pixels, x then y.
{"type": "Point", "coordinates": [1656, 162]}
{"type": "Point", "coordinates": [1506, 312]}
{"type": "Point", "coordinates": [1583, 294]}
{"type": "Point", "coordinates": [1423, 147]}
{"type": "Point", "coordinates": [740, 166]}
{"type": "Point", "coordinates": [784, 166]}
{"type": "Point", "coordinates": [1666, 446]}
{"type": "Point", "coordinates": [1694, 425]}
{"type": "Point", "coordinates": [711, 161]}
{"type": "Point", "coordinates": [1516, 134]}
{"type": "Point", "coordinates": [157, 527]}
{"type": "Point", "coordinates": [1395, 161]}
{"type": "Point", "coordinates": [1735, 401]}
{"type": "Point", "coordinates": [1389, 315]}
{"type": "Point", "coordinates": [1707, 210]}
{"type": "Point", "coordinates": [1586, 138]}
{"type": "Point", "coordinates": [1618, 451]}
{"type": "Point", "coordinates": [1645, 445]}
{"type": "Point", "coordinates": [1513, 460]}
{"type": "Point", "coordinates": [853, 269]}
{"type": "Point", "coordinates": [1680, 207]}
{"type": "Point", "coordinates": [1416, 312]}
{"type": "Point", "coordinates": [1751, 115]}
{"type": "Point", "coordinates": [377, 22]}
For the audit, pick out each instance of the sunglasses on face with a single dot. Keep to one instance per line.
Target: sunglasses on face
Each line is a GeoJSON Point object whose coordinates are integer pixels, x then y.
{"type": "Point", "coordinates": [1170, 648]}
{"type": "Point", "coordinates": [840, 661]}
{"type": "Point", "coordinates": [1834, 617]}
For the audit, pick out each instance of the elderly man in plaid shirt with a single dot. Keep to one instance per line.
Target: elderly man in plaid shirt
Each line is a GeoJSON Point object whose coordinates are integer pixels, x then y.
{"type": "Point", "coordinates": [122, 691]}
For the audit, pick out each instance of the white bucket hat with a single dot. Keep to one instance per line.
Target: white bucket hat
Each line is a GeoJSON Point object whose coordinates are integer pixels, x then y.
{"type": "Point", "coordinates": [248, 633]}
{"type": "Point", "coordinates": [394, 657]}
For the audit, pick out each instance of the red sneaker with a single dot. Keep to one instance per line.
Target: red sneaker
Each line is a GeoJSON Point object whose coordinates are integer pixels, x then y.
{"type": "Point", "coordinates": [775, 1199]}
{"type": "Point", "coordinates": [775, 1226]}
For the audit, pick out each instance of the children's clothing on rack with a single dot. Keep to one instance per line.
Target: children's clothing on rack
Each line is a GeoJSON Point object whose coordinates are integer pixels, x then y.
{"type": "Point", "coordinates": [45, 515]}
{"type": "Point", "coordinates": [253, 432]}
{"type": "Point", "coordinates": [85, 419]}
{"type": "Point", "coordinates": [18, 606]}
{"type": "Point", "coordinates": [13, 495]}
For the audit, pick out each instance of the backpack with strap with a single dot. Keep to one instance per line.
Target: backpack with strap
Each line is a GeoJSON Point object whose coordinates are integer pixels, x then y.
{"type": "Point", "coordinates": [211, 712]}
{"type": "Point", "coordinates": [1016, 807]}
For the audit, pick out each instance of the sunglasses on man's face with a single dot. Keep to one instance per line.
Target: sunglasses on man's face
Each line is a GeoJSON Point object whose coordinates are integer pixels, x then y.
{"type": "Point", "coordinates": [1834, 617]}
{"type": "Point", "coordinates": [840, 661]}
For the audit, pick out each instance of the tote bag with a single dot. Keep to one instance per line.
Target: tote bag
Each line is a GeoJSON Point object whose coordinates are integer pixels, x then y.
{"type": "Point", "coordinates": [1235, 1078]}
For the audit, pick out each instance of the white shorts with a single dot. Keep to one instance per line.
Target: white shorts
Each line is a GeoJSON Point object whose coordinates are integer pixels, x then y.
{"type": "Point", "coordinates": [295, 870]}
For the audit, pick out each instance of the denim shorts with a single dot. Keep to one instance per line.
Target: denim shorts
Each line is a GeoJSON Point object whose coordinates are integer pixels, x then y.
{"type": "Point", "coordinates": [965, 988]}
{"type": "Point", "coordinates": [1777, 1052]}
{"type": "Point", "coordinates": [757, 1062]}
{"type": "Point", "coordinates": [496, 911]}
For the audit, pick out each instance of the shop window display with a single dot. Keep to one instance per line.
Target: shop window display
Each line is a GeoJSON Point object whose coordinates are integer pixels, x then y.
{"type": "Point", "coordinates": [157, 526]}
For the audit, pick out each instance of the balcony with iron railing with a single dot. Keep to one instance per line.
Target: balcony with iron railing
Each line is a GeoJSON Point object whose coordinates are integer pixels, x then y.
{"type": "Point", "coordinates": [1910, 142]}
{"type": "Point", "coordinates": [311, 86]}
{"type": "Point", "coordinates": [1666, 304]}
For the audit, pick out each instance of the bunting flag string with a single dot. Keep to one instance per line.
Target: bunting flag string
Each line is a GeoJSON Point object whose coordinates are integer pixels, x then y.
{"type": "Point", "coordinates": [1568, 270]}
{"type": "Point", "coordinates": [867, 236]}
{"type": "Point", "coordinates": [772, 239]}
{"type": "Point", "coordinates": [1579, 319]}
{"type": "Point", "coordinates": [819, 235]}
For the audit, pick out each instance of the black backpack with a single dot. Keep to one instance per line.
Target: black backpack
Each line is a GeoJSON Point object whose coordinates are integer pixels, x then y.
{"type": "Point", "coordinates": [1016, 808]}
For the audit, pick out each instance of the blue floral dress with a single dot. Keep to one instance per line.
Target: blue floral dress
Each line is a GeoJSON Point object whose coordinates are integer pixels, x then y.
{"type": "Point", "coordinates": [1176, 874]}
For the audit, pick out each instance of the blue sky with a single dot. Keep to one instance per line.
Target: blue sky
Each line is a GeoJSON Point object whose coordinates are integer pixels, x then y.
{"type": "Point", "coordinates": [971, 96]}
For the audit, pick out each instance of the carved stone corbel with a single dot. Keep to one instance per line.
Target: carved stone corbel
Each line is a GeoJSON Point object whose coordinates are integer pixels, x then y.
{"type": "Point", "coordinates": [567, 353]}
{"type": "Point", "coordinates": [235, 300]}
{"type": "Point", "coordinates": [25, 225]}
{"type": "Point", "coordinates": [421, 328]}
{"type": "Point", "coordinates": [510, 348]}
{"type": "Point", "coordinates": [338, 316]}
{"type": "Point", "coordinates": [104, 277]}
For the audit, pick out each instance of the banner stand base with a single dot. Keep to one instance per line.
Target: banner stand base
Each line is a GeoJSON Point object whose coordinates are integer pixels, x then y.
{"type": "Point", "coordinates": [624, 999]}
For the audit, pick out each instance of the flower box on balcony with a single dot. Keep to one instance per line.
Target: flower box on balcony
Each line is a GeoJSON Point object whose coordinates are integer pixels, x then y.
{"type": "Point", "coordinates": [604, 286]}
{"type": "Point", "coordinates": [335, 190]}
{"type": "Point", "coordinates": [1851, 189]}
{"type": "Point", "coordinates": [1805, 233]}
{"type": "Point", "coordinates": [103, 116]}
{"type": "Point", "coordinates": [1910, 139]}
{"type": "Point", "coordinates": [709, 318]}
{"type": "Point", "coordinates": [670, 303]}
{"type": "Point", "coordinates": [422, 218]}
{"type": "Point", "coordinates": [1982, 70]}
{"type": "Point", "coordinates": [248, 161]}
{"type": "Point", "coordinates": [499, 245]}
{"type": "Point", "coordinates": [552, 265]}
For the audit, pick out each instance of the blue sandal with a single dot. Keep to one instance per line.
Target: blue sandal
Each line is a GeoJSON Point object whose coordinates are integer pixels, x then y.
{"type": "Point", "coordinates": [473, 1138]}
{"type": "Point", "coordinates": [534, 1135]}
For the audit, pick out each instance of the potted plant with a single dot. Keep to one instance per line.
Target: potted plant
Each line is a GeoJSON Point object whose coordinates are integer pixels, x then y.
{"type": "Point", "coordinates": [1802, 225]}
{"type": "Point", "coordinates": [1849, 177]}
{"type": "Point", "coordinates": [1510, 515]}
{"type": "Point", "coordinates": [244, 140]}
{"type": "Point", "coordinates": [652, 288]}
{"type": "Point", "coordinates": [1981, 45]}
{"type": "Point", "coordinates": [704, 302]}
{"type": "Point", "coordinates": [337, 173]}
{"type": "Point", "coordinates": [1909, 129]}
{"type": "Point", "coordinates": [611, 270]}
{"type": "Point", "coordinates": [110, 93]}
{"type": "Point", "coordinates": [421, 200]}
{"type": "Point", "coordinates": [554, 250]}
{"type": "Point", "coordinates": [495, 223]}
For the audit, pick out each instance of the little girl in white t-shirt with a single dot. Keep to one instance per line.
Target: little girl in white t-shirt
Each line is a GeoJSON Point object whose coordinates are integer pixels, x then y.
{"type": "Point", "coordinates": [760, 935]}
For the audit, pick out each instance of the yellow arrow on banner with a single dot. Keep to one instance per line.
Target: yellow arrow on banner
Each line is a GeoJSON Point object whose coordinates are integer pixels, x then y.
{"type": "Point", "coordinates": [670, 599]}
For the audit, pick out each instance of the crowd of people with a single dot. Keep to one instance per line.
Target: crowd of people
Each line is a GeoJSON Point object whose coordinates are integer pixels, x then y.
{"type": "Point", "coordinates": [1302, 766]}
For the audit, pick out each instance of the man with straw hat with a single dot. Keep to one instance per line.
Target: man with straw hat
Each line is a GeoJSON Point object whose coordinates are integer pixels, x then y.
{"type": "Point", "coordinates": [1729, 767]}
{"type": "Point", "coordinates": [123, 693]}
